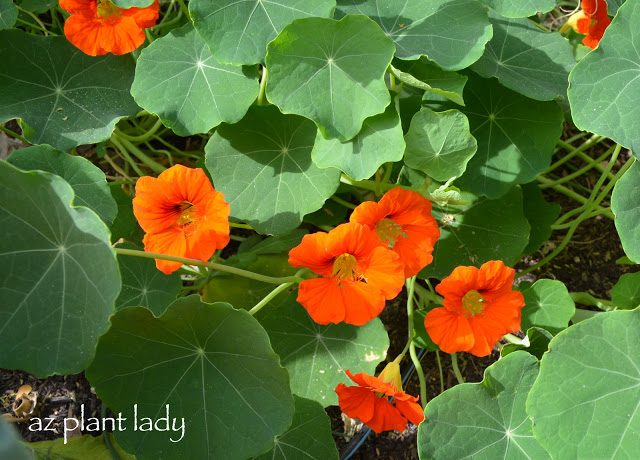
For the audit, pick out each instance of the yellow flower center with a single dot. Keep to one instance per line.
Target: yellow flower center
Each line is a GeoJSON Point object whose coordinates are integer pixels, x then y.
{"type": "Point", "coordinates": [389, 232]}
{"type": "Point", "coordinates": [473, 303]}
{"type": "Point", "coordinates": [187, 216]}
{"type": "Point", "coordinates": [345, 267]}
{"type": "Point", "coordinates": [107, 10]}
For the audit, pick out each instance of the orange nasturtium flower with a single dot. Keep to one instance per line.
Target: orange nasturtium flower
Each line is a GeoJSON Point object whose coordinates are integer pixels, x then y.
{"type": "Point", "coordinates": [99, 27]}
{"type": "Point", "coordinates": [592, 20]}
{"type": "Point", "coordinates": [402, 220]}
{"type": "Point", "coordinates": [182, 214]}
{"type": "Point", "coordinates": [358, 274]}
{"type": "Point", "coordinates": [369, 402]}
{"type": "Point", "coordinates": [479, 308]}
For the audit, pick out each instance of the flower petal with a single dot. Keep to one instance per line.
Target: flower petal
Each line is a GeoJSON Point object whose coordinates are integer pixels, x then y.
{"type": "Point", "coordinates": [385, 271]}
{"type": "Point", "coordinates": [312, 253]}
{"type": "Point", "coordinates": [351, 238]}
{"type": "Point", "coordinates": [144, 17]}
{"type": "Point", "coordinates": [155, 205]}
{"type": "Point", "coordinates": [410, 410]}
{"type": "Point", "coordinates": [171, 242]}
{"type": "Point", "coordinates": [323, 300]}
{"type": "Point", "coordinates": [386, 417]}
{"type": "Point", "coordinates": [121, 37]}
{"type": "Point", "coordinates": [361, 302]}
{"type": "Point", "coordinates": [449, 330]}
{"type": "Point", "coordinates": [356, 402]}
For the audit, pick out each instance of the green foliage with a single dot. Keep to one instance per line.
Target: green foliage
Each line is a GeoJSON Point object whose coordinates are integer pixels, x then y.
{"type": "Point", "coordinates": [626, 293]}
{"type": "Point", "coordinates": [548, 305]}
{"type": "Point", "coordinates": [132, 3]}
{"type": "Point", "coordinates": [10, 446]}
{"type": "Point", "coordinates": [520, 8]}
{"type": "Point", "coordinates": [64, 97]}
{"type": "Point", "coordinates": [428, 76]}
{"type": "Point", "coordinates": [538, 343]}
{"type": "Point", "coordinates": [210, 363]}
{"type": "Point", "coordinates": [59, 272]}
{"type": "Point", "coordinates": [8, 14]}
{"type": "Point", "coordinates": [624, 204]}
{"type": "Point", "coordinates": [540, 214]}
{"type": "Point", "coordinates": [82, 448]}
{"type": "Point", "coordinates": [584, 403]}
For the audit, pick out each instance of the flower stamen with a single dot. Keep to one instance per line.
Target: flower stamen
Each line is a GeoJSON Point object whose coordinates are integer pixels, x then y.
{"type": "Point", "coordinates": [345, 267]}
{"type": "Point", "coordinates": [389, 232]}
{"type": "Point", "coordinates": [473, 303]}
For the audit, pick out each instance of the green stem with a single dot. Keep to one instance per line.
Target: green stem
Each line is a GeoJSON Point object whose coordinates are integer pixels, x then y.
{"type": "Point", "coordinates": [263, 86]}
{"type": "Point", "coordinates": [123, 152]}
{"type": "Point", "coordinates": [124, 144]}
{"type": "Point", "coordinates": [573, 151]}
{"type": "Point", "coordinates": [214, 266]}
{"type": "Point", "coordinates": [429, 295]}
{"type": "Point", "coordinates": [35, 18]}
{"type": "Point", "coordinates": [585, 298]}
{"type": "Point", "coordinates": [184, 9]}
{"type": "Point", "coordinates": [248, 227]}
{"type": "Point", "coordinates": [344, 203]}
{"type": "Point", "coordinates": [580, 171]}
{"type": "Point", "coordinates": [456, 369]}
{"type": "Point", "coordinates": [516, 340]}
{"type": "Point", "coordinates": [411, 283]}
{"type": "Point", "coordinates": [105, 434]}
{"type": "Point", "coordinates": [12, 134]}
{"type": "Point", "coordinates": [142, 137]}
{"type": "Point", "coordinates": [439, 361]}
{"type": "Point", "coordinates": [270, 296]}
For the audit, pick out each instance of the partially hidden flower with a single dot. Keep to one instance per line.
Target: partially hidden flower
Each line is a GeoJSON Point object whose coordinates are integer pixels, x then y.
{"type": "Point", "coordinates": [369, 401]}
{"type": "Point", "coordinates": [479, 308]}
{"type": "Point", "coordinates": [403, 222]}
{"type": "Point", "coordinates": [358, 274]}
{"type": "Point", "coordinates": [99, 27]}
{"type": "Point", "coordinates": [182, 214]}
{"type": "Point", "coordinates": [592, 20]}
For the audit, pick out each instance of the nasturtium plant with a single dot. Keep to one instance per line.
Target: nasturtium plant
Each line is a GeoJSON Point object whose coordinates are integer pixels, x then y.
{"type": "Point", "coordinates": [548, 306]}
{"type": "Point", "coordinates": [429, 76]}
{"type": "Point", "coordinates": [520, 9]}
{"type": "Point", "coordinates": [625, 295]}
{"type": "Point", "coordinates": [624, 204]}
{"type": "Point", "coordinates": [8, 14]}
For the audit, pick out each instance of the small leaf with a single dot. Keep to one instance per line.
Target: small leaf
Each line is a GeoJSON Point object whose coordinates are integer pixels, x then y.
{"type": "Point", "coordinates": [132, 3]}
{"type": "Point", "coordinates": [64, 97]}
{"type": "Point", "coordinates": [262, 163]}
{"type": "Point", "coordinates": [10, 446]}
{"type": "Point", "coordinates": [439, 144]}
{"type": "Point", "coordinates": [8, 14]}
{"type": "Point", "coordinates": [548, 305]}
{"type": "Point", "coordinates": [179, 79]}
{"type": "Point", "coordinates": [540, 214]}
{"type": "Point", "coordinates": [624, 204]}
{"type": "Point", "coordinates": [584, 403]}
{"type": "Point", "coordinates": [87, 180]}
{"type": "Point", "coordinates": [309, 435]}
{"type": "Point", "coordinates": [336, 85]}
{"type": "Point", "coordinates": [451, 32]}
{"type": "Point", "coordinates": [484, 420]}
{"type": "Point", "coordinates": [519, 8]}
{"type": "Point", "coordinates": [538, 343]}
{"type": "Point", "coordinates": [208, 365]}
{"type": "Point", "coordinates": [626, 293]}
{"type": "Point", "coordinates": [380, 141]}
{"type": "Point", "coordinates": [429, 76]}
{"type": "Point", "coordinates": [317, 356]}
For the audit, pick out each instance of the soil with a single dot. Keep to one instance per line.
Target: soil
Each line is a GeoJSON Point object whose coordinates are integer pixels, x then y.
{"type": "Point", "coordinates": [587, 264]}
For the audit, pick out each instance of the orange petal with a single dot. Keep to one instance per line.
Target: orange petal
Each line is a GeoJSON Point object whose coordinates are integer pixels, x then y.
{"type": "Point", "coordinates": [171, 242]}
{"type": "Point", "coordinates": [385, 271]}
{"type": "Point", "coordinates": [83, 33]}
{"type": "Point", "coordinates": [414, 253]}
{"type": "Point", "coordinates": [214, 213]}
{"type": "Point", "coordinates": [203, 243]}
{"type": "Point", "coordinates": [367, 213]}
{"type": "Point", "coordinates": [323, 300]}
{"type": "Point", "coordinates": [188, 184]}
{"type": "Point", "coordinates": [449, 330]}
{"type": "Point", "coordinates": [312, 253]}
{"type": "Point", "coordinates": [361, 302]}
{"type": "Point", "coordinates": [144, 17]}
{"type": "Point", "coordinates": [84, 7]}
{"type": "Point", "coordinates": [351, 238]}
{"type": "Point", "coordinates": [410, 410]}
{"type": "Point", "coordinates": [154, 209]}
{"type": "Point", "coordinates": [386, 417]}
{"type": "Point", "coordinates": [375, 384]}
{"type": "Point", "coordinates": [495, 276]}
{"type": "Point", "coordinates": [356, 402]}
{"type": "Point", "coordinates": [121, 37]}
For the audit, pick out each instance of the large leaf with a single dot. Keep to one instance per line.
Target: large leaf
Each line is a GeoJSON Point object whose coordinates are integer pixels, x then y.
{"type": "Point", "coordinates": [613, 5]}
{"type": "Point", "coordinates": [451, 32]}
{"type": "Point", "coordinates": [336, 84]}
{"type": "Point", "coordinates": [10, 446]}
{"type": "Point", "coordinates": [87, 180]}
{"type": "Point", "coordinates": [439, 144]}
{"type": "Point", "coordinates": [82, 448]}
{"type": "Point", "coordinates": [427, 75]}
{"type": "Point", "coordinates": [548, 305]}
{"type": "Point", "coordinates": [206, 364]}
{"type": "Point", "coordinates": [516, 137]}
{"type": "Point", "coordinates": [317, 356]}
{"type": "Point", "coordinates": [308, 437]}
{"type": "Point", "coordinates": [477, 232]}
{"type": "Point", "coordinates": [526, 59]}
{"type": "Point", "coordinates": [520, 8]}
{"type": "Point", "coordinates": [380, 141]}
{"type": "Point", "coordinates": [8, 14]}
{"type": "Point", "coordinates": [144, 285]}
{"type": "Point", "coordinates": [605, 85]}
{"type": "Point", "coordinates": [59, 275]}
{"type": "Point", "coordinates": [484, 420]}
{"type": "Point", "coordinates": [64, 97]}
{"type": "Point", "coordinates": [585, 401]}
{"type": "Point", "coordinates": [179, 79]}
{"type": "Point", "coordinates": [238, 32]}
{"type": "Point", "coordinates": [626, 293]}
{"type": "Point", "coordinates": [540, 214]}
{"type": "Point", "coordinates": [263, 163]}
{"type": "Point", "coordinates": [624, 204]}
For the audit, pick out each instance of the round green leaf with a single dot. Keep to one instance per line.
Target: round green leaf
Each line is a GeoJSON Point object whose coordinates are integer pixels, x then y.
{"type": "Point", "coordinates": [536, 343]}
{"type": "Point", "coordinates": [540, 214]}
{"type": "Point", "coordinates": [548, 305]}
{"type": "Point", "coordinates": [451, 32]}
{"type": "Point", "coordinates": [520, 8]}
{"type": "Point", "coordinates": [484, 420]}
{"type": "Point", "coordinates": [317, 356]}
{"type": "Point", "coordinates": [87, 180]}
{"type": "Point", "coordinates": [10, 446]}
{"type": "Point", "coordinates": [516, 137]}
{"type": "Point", "coordinates": [380, 141]}
{"type": "Point", "coordinates": [427, 75]}
{"type": "Point", "coordinates": [624, 204]}
{"type": "Point", "coordinates": [308, 437]}
{"type": "Point", "coordinates": [178, 78]}
{"type": "Point", "coordinates": [526, 59]}
{"type": "Point", "coordinates": [211, 364]}
{"type": "Point", "coordinates": [144, 285]}
{"type": "Point", "coordinates": [439, 144]}
{"type": "Point", "coordinates": [613, 5]}
{"type": "Point", "coordinates": [59, 275]}
{"type": "Point", "coordinates": [238, 32]}
{"type": "Point", "coordinates": [626, 293]}
{"type": "Point", "coordinates": [64, 97]}
{"type": "Point", "coordinates": [262, 164]}
{"type": "Point", "coordinates": [479, 231]}
{"type": "Point", "coordinates": [336, 84]}
{"type": "Point", "coordinates": [585, 401]}
{"type": "Point", "coordinates": [8, 14]}
{"type": "Point", "coordinates": [605, 85]}
{"type": "Point", "coordinates": [132, 3]}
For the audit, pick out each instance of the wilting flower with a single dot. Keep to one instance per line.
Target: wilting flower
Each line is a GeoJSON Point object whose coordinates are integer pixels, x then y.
{"type": "Point", "coordinates": [369, 402]}
{"type": "Point", "coordinates": [402, 220]}
{"type": "Point", "coordinates": [479, 308]}
{"type": "Point", "coordinates": [592, 20]}
{"type": "Point", "coordinates": [99, 27]}
{"type": "Point", "coordinates": [182, 214]}
{"type": "Point", "coordinates": [358, 274]}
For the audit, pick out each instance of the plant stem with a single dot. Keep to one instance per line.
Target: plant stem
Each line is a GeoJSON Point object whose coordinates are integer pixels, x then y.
{"type": "Point", "coordinates": [13, 134]}
{"type": "Point", "coordinates": [573, 151]}
{"type": "Point", "coordinates": [344, 203]}
{"type": "Point", "coordinates": [43, 28]}
{"type": "Point", "coordinates": [456, 370]}
{"type": "Point", "coordinates": [430, 296]}
{"type": "Point", "coordinates": [270, 296]}
{"type": "Point", "coordinates": [184, 9]}
{"type": "Point", "coordinates": [105, 433]}
{"type": "Point", "coordinates": [248, 227]}
{"type": "Point", "coordinates": [440, 369]}
{"type": "Point", "coordinates": [411, 283]}
{"type": "Point", "coordinates": [263, 86]}
{"type": "Point", "coordinates": [142, 137]}
{"type": "Point", "coordinates": [124, 145]}
{"type": "Point", "coordinates": [214, 266]}
{"type": "Point", "coordinates": [585, 298]}
{"type": "Point", "coordinates": [580, 171]}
